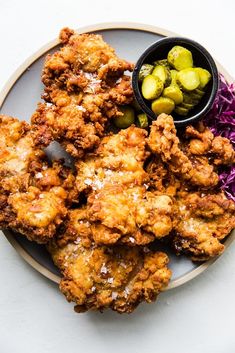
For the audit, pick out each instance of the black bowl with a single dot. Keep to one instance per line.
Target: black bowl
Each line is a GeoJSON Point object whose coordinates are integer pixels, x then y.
{"type": "Point", "coordinates": [201, 58]}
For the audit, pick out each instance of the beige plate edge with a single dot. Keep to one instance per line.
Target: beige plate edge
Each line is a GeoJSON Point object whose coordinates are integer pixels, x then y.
{"type": "Point", "coordinates": [16, 75]}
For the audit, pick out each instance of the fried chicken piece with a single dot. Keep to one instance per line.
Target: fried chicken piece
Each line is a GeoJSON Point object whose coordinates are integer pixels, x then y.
{"type": "Point", "coordinates": [200, 139]}
{"type": "Point", "coordinates": [223, 151]}
{"type": "Point", "coordinates": [82, 53]}
{"type": "Point", "coordinates": [41, 209]}
{"type": "Point", "coordinates": [118, 160]}
{"type": "Point", "coordinates": [116, 186]}
{"type": "Point", "coordinates": [203, 173]}
{"type": "Point", "coordinates": [84, 87]}
{"type": "Point", "coordinates": [32, 194]}
{"type": "Point", "coordinates": [161, 179]}
{"type": "Point", "coordinates": [37, 213]}
{"type": "Point", "coordinates": [203, 221]}
{"type": "Point", "coordinates": [164, 143]}
{"type": "Point", "coordinates": [205, 143]}
{"type": "Point", "coordinates": [98, 277]}
{"type": "Point", "coordinates": [16, 153]}
{"type": "Point", "coordinates": [136, 215]}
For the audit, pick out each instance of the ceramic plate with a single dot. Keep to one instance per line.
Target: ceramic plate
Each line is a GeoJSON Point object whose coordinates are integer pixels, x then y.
{"type": "Point", "coordinates": [20, 96]}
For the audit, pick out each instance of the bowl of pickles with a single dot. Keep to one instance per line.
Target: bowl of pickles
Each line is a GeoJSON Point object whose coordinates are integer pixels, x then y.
{"type": "Point", "coordinates": [175, 76]}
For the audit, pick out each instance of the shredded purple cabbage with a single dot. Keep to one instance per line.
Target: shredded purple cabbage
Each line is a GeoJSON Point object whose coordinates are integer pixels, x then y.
{"type": "Point", "coordinates": [221, 121]}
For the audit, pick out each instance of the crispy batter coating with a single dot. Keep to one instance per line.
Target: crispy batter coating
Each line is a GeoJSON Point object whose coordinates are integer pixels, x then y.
{"type": "Point", "coordinates": [16, 153]}
{"type": "Point", "coordinates": [84, 85]}
{"type": "Point", "coordinates": [116, 186]}
{"type": "Point", "coordinates": [203, 142]}
{"type": "Point", "coordinates": [99, 277]}
{"type": "Point", "coordinates": [32, 194]}
{"type": "Point", "coordinates": [186, 168]}
{"type": "Point", "coordinates": [37, 213]}
{"type": "Point", "coordinates": [164, 143]}
{"type": "Point", "coordinates": [82, 52]}
{"type": "Point", "coordinates": [160, 177]}
{"type": "Point", "coordinates": [203, 221]}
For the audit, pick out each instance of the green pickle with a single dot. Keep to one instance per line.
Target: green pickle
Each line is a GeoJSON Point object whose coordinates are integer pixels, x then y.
{"type": "Point", "coordinates": [163, 62]}
{"type": "Point", "coordinates": [127, 119]}
{"type": "Point", "coordinates": [188, 79]}
{"type": "Point", "coordinates": [173, 74]}
{"type": "Point", "coordinates": [152, 87]}
{"type": "Point", "coordinates": [199, 92]}
{"type": "Point", "coordinates": [163, 105]}
{"type": "Point", "coordinates": [187, 106]}
{"type": "Point", "coordinates": [146, 69]}
{"type": "Point", "coordinates": [142, 120]}
{"type": "Point", "coordinates": [180, 58]}
{"type": "Point", "coordinates": [181, 111]}
{"type": "Point", "coordinates": [204, 76]}
{"type": "Point", "coordinates": [173, 92]}
{"type": "Point", "coordinates": [190, 98]}
{"type": "Point", "coordinates": [163, 73]}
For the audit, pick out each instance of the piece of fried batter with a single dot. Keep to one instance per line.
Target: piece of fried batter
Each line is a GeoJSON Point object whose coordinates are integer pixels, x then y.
{"type": "Point", "coordinates": [84, 86]}
{"type": "Point", "coordinates": [203, 221]}
{"type": "Point", "coordinates": [16, 153]}
{"type": "Point", "coordinates": [186, 168]}
{"type": "Point", "coordinates": [194, 160]}
{"type": "Point", "coordinates": [98, 277]}
{"type": "Point", "coordinates": [203, 142]}
{"type": "Point", "coordinates": [115, 184]}
{"type": "Point", "coordinates": [32, 194]}
{"type": "Point", "coordinates": [164, 142]}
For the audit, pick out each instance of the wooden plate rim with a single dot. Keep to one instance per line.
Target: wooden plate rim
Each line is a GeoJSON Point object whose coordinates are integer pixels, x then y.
{"type": "Point", "coordinates": [28, 62]}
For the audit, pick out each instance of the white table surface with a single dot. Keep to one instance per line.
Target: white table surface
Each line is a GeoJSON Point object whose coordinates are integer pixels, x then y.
{"type": "Point", "coordinates": [34, 317]}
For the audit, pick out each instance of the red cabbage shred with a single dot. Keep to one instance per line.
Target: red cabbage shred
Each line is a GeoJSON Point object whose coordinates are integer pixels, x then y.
{"type": "Point", "coordinates": [221, 121]}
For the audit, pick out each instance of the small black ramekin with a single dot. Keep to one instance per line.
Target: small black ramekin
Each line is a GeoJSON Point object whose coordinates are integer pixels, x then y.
{"type": "Point", "coordinates": [201, 58]}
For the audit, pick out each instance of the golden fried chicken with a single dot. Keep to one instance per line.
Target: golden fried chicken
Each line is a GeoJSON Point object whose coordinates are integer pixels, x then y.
{"type": "Point", "coordinates": [98, 277]}
{"type": "Point", "coordinates": [32, 194]}
{"type": "Point", "coordinates": [84, 86]}
{"type": "Point", "coordinates": [203, 221]}
{"type": "Point", "coordinates": [37, 213]}
{"type": "Point", "coordinates": [116, 186]}
{"type": "Point", "coordinates": [82, 53]}
{"type": "Point", "coordinates": [193, 168]}
{"type": "Point", "coordinates": [203, 142]}
{"type": "Point", "coordinates": [16, 153]}
{"type": "Point", "coordinates": [160, 178]}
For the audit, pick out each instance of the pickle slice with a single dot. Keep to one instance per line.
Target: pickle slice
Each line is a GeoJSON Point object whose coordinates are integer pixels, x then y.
{"type": "Point", "coordinates": [146, 69]}
{"type": "Point", "coordinates": [180, 58]}
{"type": "Point", "coordinates": [173, 76]}
{"type": "Point", "coordinates": [191, 98]}
{"type": "Point", "coordinates": [142, 120]}
{"type": "Point", "coordinates": [162, 62]}
{"type": "Point", "coordinates": [199, 92]}
{"type": "Point", "coordinates": [181, 111]}
{"type": "Point", "coordinates": [163, 73]}
{"type": "Point", "coordinates": [187, 106]}
{"type": "Point", "coordinates": [163, 105]}
{"type": "Point", "coordinates": [173, 92]}
{"type": "Point", "coordinates": [126, 119]}
{"type": "Point", "coordinates": [152, 87]}
{"type": "Point", "coordinates": [188, 79]}
{"type": "Point", "coordinates": [204, 76]}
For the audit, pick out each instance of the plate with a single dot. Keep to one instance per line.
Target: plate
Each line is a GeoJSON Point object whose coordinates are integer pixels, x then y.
{"type": "Point", "coordinates": [20, 96]}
